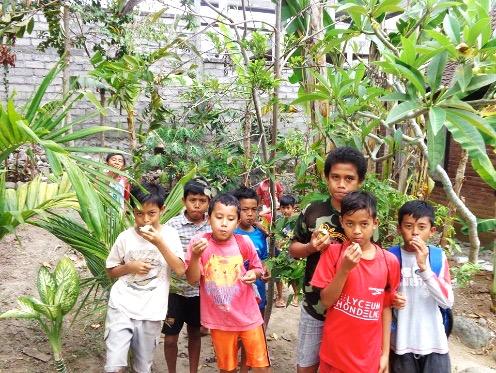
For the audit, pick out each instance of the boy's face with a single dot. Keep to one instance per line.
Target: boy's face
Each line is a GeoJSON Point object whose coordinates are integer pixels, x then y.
{"type": "Point", "coordinates": [223, 220]}
{"type": "Point", "coordinates": [249, 212]}
{"type": "Point", "coordinates": [342, 179]}
{"type": "Point", "coordinates": [116, 161]}
{"type": "Point", "coordinates": [287, 211]}
{"type": "Point", "coordinates": [359, 226]}
{"type": "Point", "coordinates": [196, 206]}
{"type": "Point", "coordinates": [410, 228]}
{"type": "Point", "coordinates": [148, 214]}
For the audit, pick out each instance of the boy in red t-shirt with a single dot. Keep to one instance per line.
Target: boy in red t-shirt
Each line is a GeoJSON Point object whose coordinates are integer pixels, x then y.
{"type": "Point", "coordinates": [356, 279]}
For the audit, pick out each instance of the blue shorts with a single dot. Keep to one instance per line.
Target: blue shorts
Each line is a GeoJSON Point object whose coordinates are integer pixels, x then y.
{"type": "Point", "coordinates": [263, 293]}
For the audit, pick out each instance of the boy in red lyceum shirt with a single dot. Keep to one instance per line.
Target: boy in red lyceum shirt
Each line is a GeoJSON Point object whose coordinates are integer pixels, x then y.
{"type": "Point", "coordinates": [357, 279]}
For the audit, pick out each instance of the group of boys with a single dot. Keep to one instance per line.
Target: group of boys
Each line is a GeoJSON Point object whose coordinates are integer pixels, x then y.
{"type": "Point", "coordinates": [351, 285]}
{"type": "Point", "coordinates": [353, 289]}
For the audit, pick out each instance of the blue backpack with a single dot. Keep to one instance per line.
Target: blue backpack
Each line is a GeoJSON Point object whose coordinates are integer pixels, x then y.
{"type": "Point", "coordinates": [436, 262]}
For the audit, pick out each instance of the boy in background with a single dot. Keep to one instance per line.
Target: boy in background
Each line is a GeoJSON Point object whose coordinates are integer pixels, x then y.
{"type": "Point", "coordinates": [420, 344]}
{"type": "Point", "coordinates": [184, 299]}
{"type": "Point", "coordinates": [249, 225]}
{"type": "Point", "coordinates": [287, 205]}
{"type": "Point", "coordinates": [344, 172]}
{"type": "Point", "coordinates": [356, 279]}
{"type": "Point", "coordinates": [228, 305]}
{"type": "Point", "coordinates": [121, 187]}
{"type": "Point", "coordinates": [141, 258]}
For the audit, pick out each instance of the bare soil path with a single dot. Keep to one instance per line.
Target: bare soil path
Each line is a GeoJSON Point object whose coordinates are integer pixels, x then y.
{"type": "Point", "coordinates": [24, 349]}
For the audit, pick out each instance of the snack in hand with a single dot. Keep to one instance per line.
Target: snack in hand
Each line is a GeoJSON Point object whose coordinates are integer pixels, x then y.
{"type": "Point", "coordinates": [146, 228]}
{"type": "Point", "coordinates": [323, 230]}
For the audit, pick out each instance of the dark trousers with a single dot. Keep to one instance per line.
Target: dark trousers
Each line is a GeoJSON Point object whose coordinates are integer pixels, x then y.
{"type": "Point", "coordinates": [412, 363]}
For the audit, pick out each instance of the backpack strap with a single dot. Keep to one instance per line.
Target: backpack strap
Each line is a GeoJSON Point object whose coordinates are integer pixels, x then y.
{"type": "Point", "coordinates": [396, 250]}
{"type": "Point", "coordinates": [243, 245]}
{"type": "Point", "coordinates": [435, 259]}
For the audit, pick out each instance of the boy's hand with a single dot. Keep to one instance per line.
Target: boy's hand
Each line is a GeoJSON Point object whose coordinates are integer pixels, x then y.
{"type": "Point", "coordinates": [139, 268]}
{"type": "Point", "coordinates": [384, 364]}
{"type": "Point", "coordinates": [249, 277]}
{"type": "Point", "coordinates": [399, 301]}
{"type": "Point", "coordinates": [318, 241]}
{"type": "Point", "coordinates": [421, 252]}
{"type": "Point", "coordinates": [151, 234]}
{"type": "Point", "coordinates": [266, 275]}
{"type": "Point", "coordinates": [351, 257]}
{"type": "Point", "coordinates": [199, 247]}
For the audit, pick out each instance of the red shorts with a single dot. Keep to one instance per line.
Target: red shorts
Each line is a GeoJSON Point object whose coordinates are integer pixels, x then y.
{"type": "Point", "coordinates": [226, 347]}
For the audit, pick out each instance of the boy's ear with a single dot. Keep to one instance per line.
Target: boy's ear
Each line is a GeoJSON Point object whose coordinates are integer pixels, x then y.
{"type": "Point", "coordinates": [433, 230]}
{"type": "Point", "coordinates": [376, 223]}
{"type": "Point", "coordinates": [163, 209]}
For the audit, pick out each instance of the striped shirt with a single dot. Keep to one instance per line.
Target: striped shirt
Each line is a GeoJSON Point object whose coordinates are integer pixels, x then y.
{"type": "Point", "coordinates": [186, 230]}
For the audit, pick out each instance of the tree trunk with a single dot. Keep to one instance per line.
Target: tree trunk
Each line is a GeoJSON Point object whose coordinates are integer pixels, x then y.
{"type": "Point", "coordinates": [131, 129]}
{"type": "Point", "coordinates": [493, 287]}
{"type": "Point", "coordinates": [317, 30]}
{"type": "Point", "coordinates": [460, 175]}
{"type": "Point", "coordinates": [102, 118]}
{"type": "Point", "coordinates": [67, 60]}
{"type": "Point", "coordinates": [272, 170]}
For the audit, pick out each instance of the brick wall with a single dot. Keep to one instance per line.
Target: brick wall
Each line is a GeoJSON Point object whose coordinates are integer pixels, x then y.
{"type": "Point", "coordinates": [479, 197]}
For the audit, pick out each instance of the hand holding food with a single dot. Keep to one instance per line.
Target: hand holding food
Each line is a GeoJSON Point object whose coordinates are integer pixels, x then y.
{"type": "Point", "coordinates": [351, 257]}
{"type": "Point", "coordinates": [199, 246]}
{"type": "Point", "coordinates": [249, 277]}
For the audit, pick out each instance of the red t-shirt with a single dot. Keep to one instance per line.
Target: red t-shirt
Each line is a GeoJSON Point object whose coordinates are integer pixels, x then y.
{"type": "Point", "coordinates": [352, 335]}
{"type": "Point", "coordinates": [264, 192]}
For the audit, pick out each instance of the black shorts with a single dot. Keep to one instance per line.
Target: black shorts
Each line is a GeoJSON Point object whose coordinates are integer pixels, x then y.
{"type": "Point", "coordinates": [411, 363]}
{"type": "Point", "coordinates": [179, 311]}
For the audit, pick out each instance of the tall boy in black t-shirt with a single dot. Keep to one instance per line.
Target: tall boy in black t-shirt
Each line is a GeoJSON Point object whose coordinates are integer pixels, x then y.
{"type": "Point", "coordinates": [344, 172]}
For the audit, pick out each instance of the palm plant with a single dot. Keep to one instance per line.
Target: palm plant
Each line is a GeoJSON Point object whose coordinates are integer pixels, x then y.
{"type": "Point", "coordinates": [43, 124]}
{"type": "Point", "coordinates": [95, 246]}
{"type": "Point", "coordinates": [58, 293]}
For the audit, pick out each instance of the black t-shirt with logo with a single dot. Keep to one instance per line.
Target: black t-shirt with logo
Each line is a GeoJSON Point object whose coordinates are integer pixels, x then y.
{"type": "Point", "coordinates": [313, 216]}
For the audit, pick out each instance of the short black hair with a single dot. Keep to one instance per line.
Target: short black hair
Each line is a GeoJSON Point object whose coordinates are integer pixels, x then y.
{"type": "Point", "coordinates": [418, 209]}
{"type": "Point", "coordinates": [245, 193]}
{"type": "Point", "coordinates": [359, 200]}
{"type": "Point", "coordinates": [147, 193]}
{"type": "Point", "coordinates": [110, 155]}
{"type": "Point", "coordinates": [346, 154]}
{"type": "Point", "coordinates": [287, 200]}
{"type": "Point", "coordinates": [197, 185]}
{"type": "Point", "coordinates": [227, 199]}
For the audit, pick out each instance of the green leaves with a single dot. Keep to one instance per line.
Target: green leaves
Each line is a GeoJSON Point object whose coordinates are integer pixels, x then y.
{"type": "Point", "coordinates": [67, 283]}
{"type": "Point", "coordinates": [401, 110]}
{"type": "Point", "coordinates": [464, 129]}
{"type": "Point", "coordinates": [58, 292]}
{"type": "Point", "coordinates": [435, 70]}
{"type": "Point", "coordinates": [437, 117]}
{"type": "Point", "coordinates": [46, 285]}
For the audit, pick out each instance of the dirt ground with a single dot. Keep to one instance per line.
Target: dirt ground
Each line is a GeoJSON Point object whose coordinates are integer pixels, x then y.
{"type": "Point", "coordinates": [24, 349]}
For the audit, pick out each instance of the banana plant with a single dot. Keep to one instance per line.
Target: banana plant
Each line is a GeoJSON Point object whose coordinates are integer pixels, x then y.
{"type": "Point", "coordinates": [30, 199]}
{"type": "Point", "coordinates": [58, 291]}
